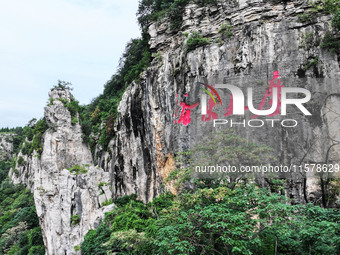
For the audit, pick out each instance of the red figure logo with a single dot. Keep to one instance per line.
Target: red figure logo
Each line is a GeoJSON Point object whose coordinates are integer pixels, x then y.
{"type": "Point", "coordinates": [269, 94]}
{"type": "Point", "coordinates": [186, 111]}
{"type": "Point", "coordinates": [275, 96]}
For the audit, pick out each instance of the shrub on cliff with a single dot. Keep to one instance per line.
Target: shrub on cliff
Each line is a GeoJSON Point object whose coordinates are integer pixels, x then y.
{"type": "Point", "coordinates": [31, 138]}
{"type": "Point", "coordinates": [196, 40]}
{"type": "Point", "coordinates": [154, 10]}
{"type": "Point", "coordinates": [99, 117]}
{"type": "Point", "coordinates": [331, 39]}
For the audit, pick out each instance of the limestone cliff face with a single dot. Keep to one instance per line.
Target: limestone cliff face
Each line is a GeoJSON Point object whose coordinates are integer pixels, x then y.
{"type": "Point", "coordinates": [68, 203]}
{"type": "Point", "coordinates": [266, 36]}
{"type": "Point", "coordinates": [6, 146]}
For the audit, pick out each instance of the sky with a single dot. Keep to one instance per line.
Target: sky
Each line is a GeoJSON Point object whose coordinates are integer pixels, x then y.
{"type": "Point", "coordinates": [43, 41]}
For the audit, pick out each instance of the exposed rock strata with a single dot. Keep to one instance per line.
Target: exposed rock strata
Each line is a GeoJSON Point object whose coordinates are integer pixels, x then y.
{"type": "Point", "coordinates": [266, 37]}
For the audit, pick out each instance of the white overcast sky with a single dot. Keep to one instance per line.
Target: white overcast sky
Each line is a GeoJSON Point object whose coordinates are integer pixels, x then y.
{"type": "Point", "coordinates": [43, 41]}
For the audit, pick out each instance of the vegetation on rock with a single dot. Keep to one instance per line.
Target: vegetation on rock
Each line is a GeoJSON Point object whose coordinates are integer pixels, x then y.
{"type": "Point", "coordinates": [196, 40]}
{"type": "Point", "coordinates": [230, 215]}
{"type": "Point", "coordinates": [331, 40]}
{"type": "Point", "coordinates": [217, 216]}
{"type": "Point", "coordinates": [20, 232]}
{"type": "Point", "coordinates": [155, 10]}
{"type": "Point", "coordinates": [77, 169]}
{"type": "Point", "coordinates": [98, 118]}
{"type": "Point", "coordinates": [221, 220]}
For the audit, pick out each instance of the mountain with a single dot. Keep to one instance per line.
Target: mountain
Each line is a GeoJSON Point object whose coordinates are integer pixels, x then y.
{"type": "Point", "coordinates": [78, 160]}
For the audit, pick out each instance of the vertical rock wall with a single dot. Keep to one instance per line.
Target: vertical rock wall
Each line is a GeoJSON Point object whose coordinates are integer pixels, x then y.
{"type": "Point", "coordinates": [266, 36]}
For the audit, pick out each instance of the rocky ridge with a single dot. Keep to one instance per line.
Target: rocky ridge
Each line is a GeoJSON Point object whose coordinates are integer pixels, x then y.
{"type": "Point", "coordinates": [69, 191]}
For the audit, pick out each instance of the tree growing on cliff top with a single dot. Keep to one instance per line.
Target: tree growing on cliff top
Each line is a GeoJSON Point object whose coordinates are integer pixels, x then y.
{"type": "Point", "coordinates": [62, 85]}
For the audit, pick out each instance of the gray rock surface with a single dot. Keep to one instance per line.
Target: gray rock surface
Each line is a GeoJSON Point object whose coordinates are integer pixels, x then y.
{"type": "Point", "coordinates": [266, 37]}
{"type": "Point", "coordinates": [68, 204]}
{"type": "Point", "coordinates": [6, 146]}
